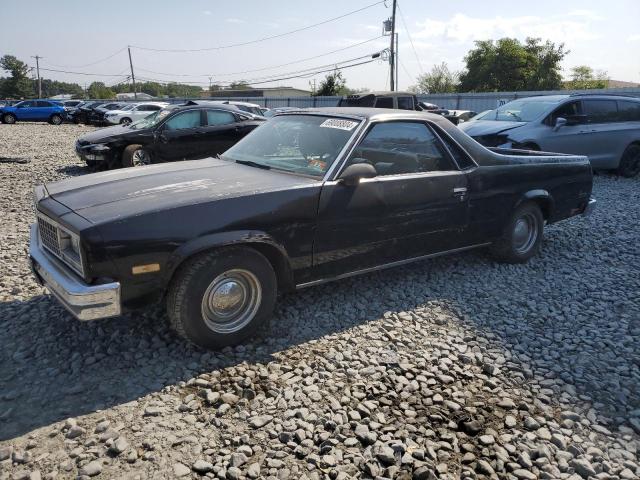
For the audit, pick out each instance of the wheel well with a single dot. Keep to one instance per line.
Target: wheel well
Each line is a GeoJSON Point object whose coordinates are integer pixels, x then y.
{"type": "Point", "coordinates": [531, 146]}
{"type": "Point", "coordinates": [545, 206]}
{"type": "Point", "coordinates": [275, 257]}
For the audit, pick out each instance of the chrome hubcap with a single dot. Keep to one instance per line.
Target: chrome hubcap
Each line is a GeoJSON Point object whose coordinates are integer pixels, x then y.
{"type": "Point", "coordinates": [525, 233]}
{"type": "Point", "coordinates": [140, 157]}
{"type": "Point", "coordinates": [231, 301]}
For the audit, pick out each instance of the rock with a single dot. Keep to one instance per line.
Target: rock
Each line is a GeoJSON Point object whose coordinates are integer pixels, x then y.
{"type": "Point", "coordinates": [484, 467]}
{"type": "Point", "coordinates": [119, 446]}
{"type": "Point", "coordinates": [531, 423]}
{"type": "Point", "coordinates": [253, 471]}
{"type": "Point", "coordinates": [237, 459]}
{"type": "Point", "coordinates": [260, 421]}
{"type": "Point", "coordinates": [5, 452]}
{"type": "Point", "coordinates": [181, 470]}
{"type": "Point", "coordinates": [201, 466]}
{"type": "Point", "coordinates": [487, 440]}
{"type": "Point", "coordinates": [583, 468]}
{"type": "Point", "coordinates": [524, 474]}
{"type": "Point", "coordinates": [234, 473]}
{"type": "Point", "coordinates": [91, 469]}
{"type": "Point", "coordinates": [75, 431]}
{"type": "Point", "coordinates": [386, 455]}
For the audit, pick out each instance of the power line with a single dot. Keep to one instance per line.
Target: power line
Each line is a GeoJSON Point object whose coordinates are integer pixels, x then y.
{"type": "Point", "coordinates": [250, 42]}
{"type": "Point", "coordinates": [264, 68]}
{"type": "Point", "coordinates": [88, 64]}
{"type": "Point", "coordinates": [304, 75]}
{"type": "Point", "coordinates": [410, 40]}
{"type": "Point", "coordinates": [81, 73]}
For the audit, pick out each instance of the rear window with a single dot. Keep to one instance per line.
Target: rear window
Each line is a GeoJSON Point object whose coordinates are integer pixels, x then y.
{"type": "Point", "coordinates": [628, 111]}
{"type": "Point", "coordinates": [365, 101]}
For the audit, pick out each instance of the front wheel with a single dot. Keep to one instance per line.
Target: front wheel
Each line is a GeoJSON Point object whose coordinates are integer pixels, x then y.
{"type": "Point", "coordinates": [630, 162]}
{"type": "Point", "coordinates": [135, 156]}
{"type": "Point", "coordinates": [522, 236]}
{"type": "Point", "coordinates": [9, 118]}
{"type": "Point", "coordinates": [125, 121]}
{"type": "Point", "coordinates": [220, 298]}
{"type": "Point", "coordinates": [55, 119]}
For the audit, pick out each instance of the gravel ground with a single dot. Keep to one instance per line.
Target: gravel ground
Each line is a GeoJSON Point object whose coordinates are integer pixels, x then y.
{"type": "Point", "coordinates": [451, 368]}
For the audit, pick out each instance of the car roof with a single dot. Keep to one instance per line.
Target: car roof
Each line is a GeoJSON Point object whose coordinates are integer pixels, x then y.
{"type": "Point", "coordinates": [373, 114]}
{"type": "Point", "coordinates": [204, 103]}
{"type": "Point", "coordinates": [381, 93]}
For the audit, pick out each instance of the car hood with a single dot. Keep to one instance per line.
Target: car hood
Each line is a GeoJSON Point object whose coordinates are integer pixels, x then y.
{"type": "Point", "coordinates": [104, 134]}
{"type": "Point", "coordinates": [121, 193]}
{"type": "Point", "coordinates": [478, 128]}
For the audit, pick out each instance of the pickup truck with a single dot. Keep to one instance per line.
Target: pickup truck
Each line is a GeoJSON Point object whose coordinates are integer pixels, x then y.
{"type": "Point", "coordinates": [307, 197]}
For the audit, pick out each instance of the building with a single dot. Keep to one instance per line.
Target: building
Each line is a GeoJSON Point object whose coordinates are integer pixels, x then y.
{"type": "Point", "coordinates": [258, 92]}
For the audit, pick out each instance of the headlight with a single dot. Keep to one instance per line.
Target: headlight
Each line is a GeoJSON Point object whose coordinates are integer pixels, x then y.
{"type": "Point", "coordinates": [99, 148]}
{"type": "Point", "coordinates": [70, 248]}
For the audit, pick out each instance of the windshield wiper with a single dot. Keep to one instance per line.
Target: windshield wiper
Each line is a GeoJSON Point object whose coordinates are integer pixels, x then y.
{"type": "Point", "coordinates": [254, 164]}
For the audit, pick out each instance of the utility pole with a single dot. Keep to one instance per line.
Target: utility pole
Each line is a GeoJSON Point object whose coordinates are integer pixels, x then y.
{"type": "Point", "coordinates": [392, 49]}
{"type": "Point", "coordinates": [397, 62]}
{"type": "Point", "coordinates": [133, 77]}
{"type": "Point", "coordinates": [38, 72]}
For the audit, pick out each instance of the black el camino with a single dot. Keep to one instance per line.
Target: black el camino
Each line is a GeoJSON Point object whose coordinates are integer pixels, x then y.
{"type": "Point", "coordinates": [306, 198]}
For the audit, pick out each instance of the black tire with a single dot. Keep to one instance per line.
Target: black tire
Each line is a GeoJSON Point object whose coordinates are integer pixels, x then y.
{"type": "Point", "coordinates": [630, 162]}
{"type": "Point", "coordinates": [55, 119]}
{"type": "Point", "coordinates": [193, 289]}
{"type": "Point", "coordinates": [125, 121]}
{"type": "Point", "coordinates": [515, 246]}
{"type": "Point", "coordinates": [9, 118]}
{"type": "Point", "coordinates": [135, 156]}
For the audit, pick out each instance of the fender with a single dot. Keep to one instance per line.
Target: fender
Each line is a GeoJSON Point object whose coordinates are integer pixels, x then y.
{"type": "Point", "coordinates": [263, 242]}
{"type": "Point", "coordinates": [543, 198]}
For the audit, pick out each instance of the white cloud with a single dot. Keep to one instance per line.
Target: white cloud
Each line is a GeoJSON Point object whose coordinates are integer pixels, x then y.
{"type": "Point", "coordinates": [583, 13]}
{"type": "Point", "coordinates": [207, 12]}
{"type": "Point", "coordinates": [234, 20]}
{"type": "Point", "coordinates": [463, 29]}
{"type": "Point", "coordinates": [634, 38]}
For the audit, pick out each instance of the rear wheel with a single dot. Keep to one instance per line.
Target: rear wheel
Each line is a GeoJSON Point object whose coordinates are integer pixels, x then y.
{"type": "Point", "coordinates": [125, 121]}
{"type": "Point", "coordinates": [630, 162]}
{"type": "Point", "coordinates": [9, 118]}
{"type": "Point", "coordinates": [220, 298]}
{"type": "Point", "coordinates": [55, 119]}
{"type": "Point", "coordinates": [523, 235]}
{"type": "Point", "coordinates": [135, 156]}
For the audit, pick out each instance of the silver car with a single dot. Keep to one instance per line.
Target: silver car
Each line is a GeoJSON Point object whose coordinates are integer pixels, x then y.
{"type": "Point", "coordinates": [606, 128]}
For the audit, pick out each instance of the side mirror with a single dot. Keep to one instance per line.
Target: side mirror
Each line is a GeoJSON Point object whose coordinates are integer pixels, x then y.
{"type": "Point", "coordinates": [560, 122]}
{"type": "Point", "coordinates": [352, 175]}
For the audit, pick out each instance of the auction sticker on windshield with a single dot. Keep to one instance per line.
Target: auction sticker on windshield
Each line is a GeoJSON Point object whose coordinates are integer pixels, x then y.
{"type": "Point", "coordinates": [341, 124]}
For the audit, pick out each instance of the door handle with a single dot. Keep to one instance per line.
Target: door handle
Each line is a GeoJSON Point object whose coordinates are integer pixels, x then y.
{"type": "Point", "coordinates": [460, 192]}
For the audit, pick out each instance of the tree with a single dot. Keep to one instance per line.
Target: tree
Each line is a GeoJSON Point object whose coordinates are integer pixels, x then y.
{"type": "Point", "coordinates": [583, 78]}
{"type": "Point", "coordinates": [332, 85]}
{"type": "Point", "coordinates": [18, 85]}
{"type": "Point", "coordinates": [509, 65]}
{"type": "Point", "coordinates": [51, 88]}
{"type": "Point", "coordinates": [439, 80]}
{"type": "Point", "coordinates": [100, 90]}
{"type": "Point", "coordinates": [240, 85]}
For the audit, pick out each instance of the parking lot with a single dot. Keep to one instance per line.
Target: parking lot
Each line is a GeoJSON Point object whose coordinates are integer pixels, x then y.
{"type": "Point", "coordinates": [456, 367]}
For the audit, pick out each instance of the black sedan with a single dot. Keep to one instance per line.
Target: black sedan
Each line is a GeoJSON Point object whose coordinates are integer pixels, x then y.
{"type": "Point", "coordinates": [306, 198]}
{"type": "Point", "coordinates": [178, 132]}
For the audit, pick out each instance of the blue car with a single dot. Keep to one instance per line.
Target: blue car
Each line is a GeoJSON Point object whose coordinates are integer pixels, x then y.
{"type": "Point", "coordinates": [33, 111]}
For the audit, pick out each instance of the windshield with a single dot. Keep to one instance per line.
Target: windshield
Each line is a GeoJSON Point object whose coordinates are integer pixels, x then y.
{"type": "Point", "coordinates": [522, 110]}
{"type": "Point", "coordinates": [152, 120]}
{"type": "Point", "coordinates": [303, 144]}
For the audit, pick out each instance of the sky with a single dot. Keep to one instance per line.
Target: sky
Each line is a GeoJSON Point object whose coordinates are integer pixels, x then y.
{"type": "Point", "coordinates": [91, 37]}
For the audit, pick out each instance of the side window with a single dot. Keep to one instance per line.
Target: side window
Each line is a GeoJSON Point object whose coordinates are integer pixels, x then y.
{"type": "Point", "coordinates": [628, 111]}
{"type": "Point", "coordinates": [461, 157]}
{"type": "Point", "coordinates": [384, 102]}
{"type": "Point", "coordinates": [218, 117]}
{"type": "Point", "coordinates": [569, 111]}
{"type": "Point", "coordinates": [402, 147]}
{"type": "Point", "coordinates": [41, 103]}
{"type": "Point", "coordinates": [153, 108]}
{"type": "Point", "coordinates": [189, 119]}
{"type": "Point", "coordinates": [27, 104]}
{"type": "Point", "coordinates": [405, 103]}
{"type": "Point", "coordinates": [600, 111]}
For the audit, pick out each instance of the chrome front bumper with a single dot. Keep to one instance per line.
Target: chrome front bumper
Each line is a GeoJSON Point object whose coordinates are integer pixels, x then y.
{"type": "Point", "coordinates": [85, 302]}
{"type": "Point", "coordinates": [590, 208]}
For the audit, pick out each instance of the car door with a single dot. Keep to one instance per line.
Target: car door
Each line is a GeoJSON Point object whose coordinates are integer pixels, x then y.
{"type": "Point", "coordinates": [222, 130]}
{"type": "Point", "coordinates": [606, 133]}
{"type": "Point", "coordinates": [142, 111]}
{"type": "Point", "coordinates": [178, 136]}
{"type": "Point", "coordinates": [416, 205]}
{"type": "Point", "coordinates": [26, 110]}
{"type": "Point", "coordinates": [571, 138]}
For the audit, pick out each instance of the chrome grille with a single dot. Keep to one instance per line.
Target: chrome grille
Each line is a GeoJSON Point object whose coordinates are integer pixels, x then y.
{"type": "Point", "coordinates": [49, 236]}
